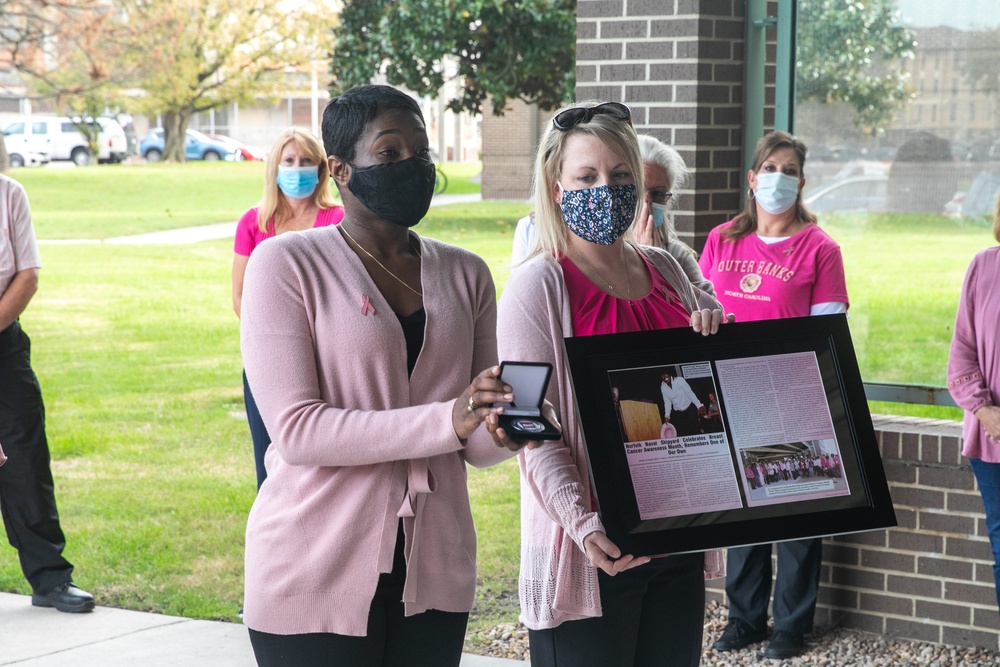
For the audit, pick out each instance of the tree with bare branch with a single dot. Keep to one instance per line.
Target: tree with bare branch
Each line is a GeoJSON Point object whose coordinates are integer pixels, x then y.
{"type": "Point", "coordinates": [197, 55]}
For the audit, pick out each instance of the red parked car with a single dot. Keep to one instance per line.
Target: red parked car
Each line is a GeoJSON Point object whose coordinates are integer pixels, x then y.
{"type": "Point", "coordinates": [244, 151]}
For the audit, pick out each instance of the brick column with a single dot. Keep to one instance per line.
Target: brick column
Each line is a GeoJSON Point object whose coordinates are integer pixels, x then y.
{"type": "Point", "coordinates": [679, 65]}
{"type": "Point", "coordinates": [509, 144]}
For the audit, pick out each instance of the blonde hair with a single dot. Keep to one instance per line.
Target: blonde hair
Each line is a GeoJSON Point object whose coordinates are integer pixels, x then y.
{"type": "Point", "coordinates": [273, 207]}
{"type": "Point", "coordinates": [620, 138]}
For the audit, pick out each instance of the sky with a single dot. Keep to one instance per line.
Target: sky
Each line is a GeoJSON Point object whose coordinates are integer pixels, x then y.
{"type": "Point", "coordinates": [962, 14]}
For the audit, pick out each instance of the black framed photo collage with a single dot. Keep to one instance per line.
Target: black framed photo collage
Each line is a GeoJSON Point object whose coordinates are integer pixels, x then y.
{"type": "Point", "coordinates": [759, 433]}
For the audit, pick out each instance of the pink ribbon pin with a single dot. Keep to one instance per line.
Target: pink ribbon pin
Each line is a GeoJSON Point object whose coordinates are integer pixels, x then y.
{"type": "Point", "coordinates": [366, 305]}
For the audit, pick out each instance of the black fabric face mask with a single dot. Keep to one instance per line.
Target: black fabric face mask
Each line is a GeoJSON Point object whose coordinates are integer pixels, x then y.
{"type": "Point", "coordinates": [399, 192]}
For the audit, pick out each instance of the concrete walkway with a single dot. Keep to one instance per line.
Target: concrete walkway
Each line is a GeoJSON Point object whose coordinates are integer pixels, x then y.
{"type": "Point", "coordinates": [106, 637]}
{"type": "Point", "coordinates": [221, 230]}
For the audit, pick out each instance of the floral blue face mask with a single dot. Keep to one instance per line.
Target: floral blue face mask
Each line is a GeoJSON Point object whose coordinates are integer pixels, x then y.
{"type": "Point", "coordinates": [298, 182]}
{"type": "Point", "coordinates": [599, 215]}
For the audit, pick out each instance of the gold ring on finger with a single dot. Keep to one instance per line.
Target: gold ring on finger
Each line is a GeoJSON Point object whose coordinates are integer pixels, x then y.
{"type": "Point", "coordinates": [472, 404]}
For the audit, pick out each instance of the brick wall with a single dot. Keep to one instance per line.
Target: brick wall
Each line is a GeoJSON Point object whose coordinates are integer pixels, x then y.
{"type": "Point", "coordinates": [509, 144]}
{"type": "Point", "coordinates": [931, 578]}
{"type": "Point", "coordinates": [679, 65]}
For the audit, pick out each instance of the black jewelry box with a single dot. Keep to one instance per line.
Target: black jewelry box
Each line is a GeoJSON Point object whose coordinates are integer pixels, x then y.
{"type": "Point", "coordinates": [522, 419]}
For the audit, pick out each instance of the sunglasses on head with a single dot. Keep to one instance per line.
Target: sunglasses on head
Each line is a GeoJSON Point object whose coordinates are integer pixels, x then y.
{"type": "Point", "coordinates": [570, 118]}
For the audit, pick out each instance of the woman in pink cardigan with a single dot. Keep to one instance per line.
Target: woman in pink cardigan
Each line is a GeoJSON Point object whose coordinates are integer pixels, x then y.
{"type": "Point", "coordinates": [974, 381]}
{"type": "Point", "coordinates": [365, 346]}
{"type": "Point", "coordinates": [584, 602]}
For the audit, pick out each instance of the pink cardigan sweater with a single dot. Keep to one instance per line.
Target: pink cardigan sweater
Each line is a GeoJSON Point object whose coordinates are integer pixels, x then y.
{"type": "Point", "coordinates": [356, 443]}
{"type": "Point", "coordinates": [974, 361]}
{"type": "Point", "coordinates": [557, 582]}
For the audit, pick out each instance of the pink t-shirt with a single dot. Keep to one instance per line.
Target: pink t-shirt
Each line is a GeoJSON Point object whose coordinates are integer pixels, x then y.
{"type": "Point", "coordinates": [249, 236]}
{"type": "Point", "coordinates": [597, 312]}
{"type": "Point", "coordinates": [760, 281]}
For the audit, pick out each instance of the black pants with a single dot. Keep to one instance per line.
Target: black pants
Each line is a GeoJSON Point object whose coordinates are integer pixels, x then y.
{"type": "Point", "coordinates": [686, 420]}
{"type": "Point", "coordinates": [27, 496]}
{"type": "Point", "coordinates": [652, 615]}
{"type": "Point", "coordinates": [429, 639]}
{"type": "Point", "coordinates": [258, 432]}
{"type": "Point", "coordinates": [748, 584]}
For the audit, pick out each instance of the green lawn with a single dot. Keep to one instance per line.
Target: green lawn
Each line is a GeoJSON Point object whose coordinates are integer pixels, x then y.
{"type": "Point", "coordinates": [118, 200]}
{"type": "Point", "coordinates": [137, 352]}
{"type": "Point", "coordinates": [904, 273]}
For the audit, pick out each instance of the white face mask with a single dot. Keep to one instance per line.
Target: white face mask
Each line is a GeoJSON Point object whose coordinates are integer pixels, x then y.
{"type": "Point", "coordinates": [776, 192]}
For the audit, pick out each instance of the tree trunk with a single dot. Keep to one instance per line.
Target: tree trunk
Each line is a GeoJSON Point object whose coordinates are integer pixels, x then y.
{"type": "Point", "coordinates": [174, 128]}
{"type": "Point", "coordinates": [4, 157]}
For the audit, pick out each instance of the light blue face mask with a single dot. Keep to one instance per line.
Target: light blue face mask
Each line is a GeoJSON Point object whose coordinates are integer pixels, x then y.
{"type": "Point", "coordinates": [776, 192]}
{"type": "Point", "coordinates": [298, 182]}
{"type": "Point", "coordinates": [659, 213]}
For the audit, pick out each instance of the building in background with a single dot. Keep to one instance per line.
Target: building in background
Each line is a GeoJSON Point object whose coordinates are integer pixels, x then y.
{"type": "Point", "coordinates": [454, 137]}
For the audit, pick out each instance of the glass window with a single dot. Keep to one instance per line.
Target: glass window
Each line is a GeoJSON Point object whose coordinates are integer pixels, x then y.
{"type": "Point", "coordinates": [908, 194]}
{"type": "Point", "coordinates": [74, 127]}
{"type": "Point", "coordinates": [39, 128]}
{"type": "Point", "coordinates": [14, 128]}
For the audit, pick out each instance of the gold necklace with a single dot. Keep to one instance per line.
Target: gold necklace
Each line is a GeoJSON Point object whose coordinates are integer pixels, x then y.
{"type": "Point", "coordinates": [628, 282]}
{"type": "Point", "coordinates": [375, 259]}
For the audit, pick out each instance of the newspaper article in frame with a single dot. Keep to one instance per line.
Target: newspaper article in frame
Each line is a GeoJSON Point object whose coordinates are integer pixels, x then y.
{"type": "Point", "coordinates": [782, 429]}
{"type": "Point", "coordinates": [675, 443]}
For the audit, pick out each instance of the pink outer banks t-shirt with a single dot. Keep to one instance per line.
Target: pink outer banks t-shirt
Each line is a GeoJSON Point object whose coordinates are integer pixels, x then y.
{"type": "Point", "coordinates": [757, 281]}
{"type": "Point", "coordinates": [249, 236]}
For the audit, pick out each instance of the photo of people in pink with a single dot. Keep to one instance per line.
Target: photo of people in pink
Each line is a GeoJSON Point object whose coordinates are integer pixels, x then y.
{"type": "Point", "coordinates": [779, 473]}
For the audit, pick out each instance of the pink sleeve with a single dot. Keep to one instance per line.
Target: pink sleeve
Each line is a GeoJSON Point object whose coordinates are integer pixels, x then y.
{"type": "Point", "coordinates": [529, 328]}
{"type": "Point", "coordinates": [707, 258]}
{"type": "Point", "coordinates": [247, 233]}
{"type": "Point", "coordinates": [831, 286]}
{"type": "Point", "coordinates": [965, 377]}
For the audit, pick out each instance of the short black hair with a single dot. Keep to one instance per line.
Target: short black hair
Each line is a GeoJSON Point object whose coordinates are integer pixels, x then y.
{"type": "Point", "coordinates": [348, 115]}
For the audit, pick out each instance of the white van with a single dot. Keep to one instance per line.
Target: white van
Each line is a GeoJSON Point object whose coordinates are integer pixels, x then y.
{"type": "Point", "coordinates": [58, 138]}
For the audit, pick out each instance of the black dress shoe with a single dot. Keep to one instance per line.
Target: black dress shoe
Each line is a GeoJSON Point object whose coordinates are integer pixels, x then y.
{"type": "Point", "coordinates": [784, 645]}
{"type": "Point", "coordinates": [65, 597]}
{"type": "Point", "coordinates": [738, 635]}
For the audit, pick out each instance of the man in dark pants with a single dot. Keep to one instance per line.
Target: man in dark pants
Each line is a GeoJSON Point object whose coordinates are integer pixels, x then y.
{"type": "Point", "coordinates": [27, 498]}
{"type": "Point", "coordinates": [748, 587]}
{"type": "Point", "coordinates": [680, 403]}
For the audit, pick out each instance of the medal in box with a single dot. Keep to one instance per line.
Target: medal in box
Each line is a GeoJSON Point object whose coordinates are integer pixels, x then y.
{"type": "Point", "coordinates": [522, 419]}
